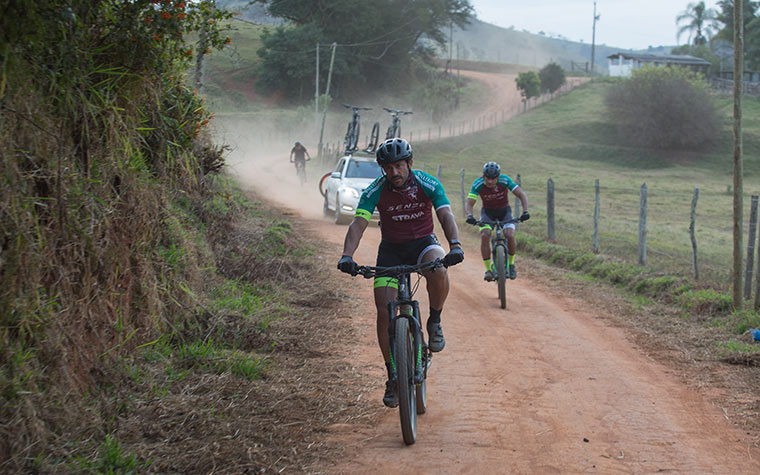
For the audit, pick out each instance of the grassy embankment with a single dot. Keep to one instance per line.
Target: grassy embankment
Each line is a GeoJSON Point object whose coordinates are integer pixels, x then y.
{"type": "Point", "coordinates": [570, 142]}
{"type": "Point", "coordinates": [144, 300]}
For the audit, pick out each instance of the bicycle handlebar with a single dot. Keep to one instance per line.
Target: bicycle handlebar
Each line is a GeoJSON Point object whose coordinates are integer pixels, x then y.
{"type": "Point", "coordinates": [501, 223]}
{"type": "Point", "coordinates": [397, 111]}
{"type": "Point", "coordinates": [395, 271]}
{"type": "Point", "coordinates": [349, 106]}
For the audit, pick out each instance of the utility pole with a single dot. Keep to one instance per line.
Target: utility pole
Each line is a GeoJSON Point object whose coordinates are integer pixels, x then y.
{"type": "Point", "coordinates": [738, 146]}
{"type": "Point", "coordinates": [333, 46]}
{"type": "Point", "coordinates": [451, 46]}
{"type": "Point", "coordinates": [316, 92]}
{"type": "Point", "coordinates": [593, 38]}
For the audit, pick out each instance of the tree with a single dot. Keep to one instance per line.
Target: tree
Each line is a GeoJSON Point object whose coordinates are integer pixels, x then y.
{"type": "Point", "coordinates": [698, 22]}
{"type": "Point", "coordinates": [700, 51]}
{"type": "Point", "coordinates": [725, 15]}
{"type": "Point", "coordinates": [376, 38]}
{"type": "Point", "coordinates": [664, 108]}
{"type": "Point", "coordinates": [529, 85]}
{"type": "Point", "coordinates": [552, 77]}
{"type": "Point", "coordinates": [751, 22]}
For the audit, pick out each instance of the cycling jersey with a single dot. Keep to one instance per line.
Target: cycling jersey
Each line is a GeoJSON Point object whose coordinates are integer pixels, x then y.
{"type": "Point", "coordinates": [299, 154]}
{"type": "Point", "coordinates": [406, 214]}
{"type": "Point", "coordinates": [496, 197]}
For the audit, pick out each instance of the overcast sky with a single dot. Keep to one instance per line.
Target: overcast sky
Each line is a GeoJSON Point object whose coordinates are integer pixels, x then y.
{"type": "Point", "coordinates": [634, 24]}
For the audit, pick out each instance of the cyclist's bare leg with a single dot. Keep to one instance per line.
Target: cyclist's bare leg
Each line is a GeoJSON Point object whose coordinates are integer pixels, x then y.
{"type": "Point", "coordinates": [511, 241]}
{"type": "Point", "coordinates": [383, 295]}
{"type": "Point", "coordinates": [485, 243]}
{"type": "Point", "coordinates": [437, 280]}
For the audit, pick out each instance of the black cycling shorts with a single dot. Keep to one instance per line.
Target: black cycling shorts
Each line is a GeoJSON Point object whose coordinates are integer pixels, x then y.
{"type": "Point", "coordinates": [488, 217]}
{"type": "Point", "coordinates": [406, 253]}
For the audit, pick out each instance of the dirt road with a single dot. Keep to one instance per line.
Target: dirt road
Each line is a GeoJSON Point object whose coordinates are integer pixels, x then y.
{"type": "Point", "coordinates": [546, 386]}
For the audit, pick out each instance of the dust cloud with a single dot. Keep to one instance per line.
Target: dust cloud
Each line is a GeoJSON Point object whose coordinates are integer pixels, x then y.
{"type": "Point", "coordinates": [261, 164]}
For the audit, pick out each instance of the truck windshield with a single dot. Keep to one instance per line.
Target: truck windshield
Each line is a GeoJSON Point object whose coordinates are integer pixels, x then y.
{"type": "Point", "coordinates": [357, 169]}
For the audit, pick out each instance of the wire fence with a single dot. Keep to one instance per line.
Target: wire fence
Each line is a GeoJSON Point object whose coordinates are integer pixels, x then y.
{"type": "Point", "coordinates": [684, 232]}
{"type": "Point", "coordinates": [459, 127]}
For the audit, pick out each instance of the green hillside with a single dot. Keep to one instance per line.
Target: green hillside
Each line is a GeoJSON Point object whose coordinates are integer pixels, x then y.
{"type": "Point", "coordinates": [570, 142]}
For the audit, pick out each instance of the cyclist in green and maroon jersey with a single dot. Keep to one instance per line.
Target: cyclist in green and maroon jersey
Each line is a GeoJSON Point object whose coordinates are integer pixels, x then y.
{"type": "Point", "coordinates": [493, 188]}
{"type": "Point", "coordinates": [406, 200]}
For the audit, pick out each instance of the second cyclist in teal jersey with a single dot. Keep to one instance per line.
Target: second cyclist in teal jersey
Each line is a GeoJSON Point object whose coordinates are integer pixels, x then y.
{"type": "Point", "coordinates": [493, 189]}
{"type": "Point", "coordinates": [406, 200]}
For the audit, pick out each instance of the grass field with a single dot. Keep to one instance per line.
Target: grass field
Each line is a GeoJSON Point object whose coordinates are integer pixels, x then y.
{"type": "Point", "coordinates": [570, 142]}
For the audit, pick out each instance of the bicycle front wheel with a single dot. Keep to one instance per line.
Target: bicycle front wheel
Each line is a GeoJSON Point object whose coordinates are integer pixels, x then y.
{"type": "Point", "coordinates": [405, 360]}
{"type": "Point", "coordinates": [500, 258]}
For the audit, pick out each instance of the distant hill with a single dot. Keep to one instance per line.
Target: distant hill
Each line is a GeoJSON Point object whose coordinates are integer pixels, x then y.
{"type": "Point", "coordinates": [483, 41]}
{"type": "Point", "coordinates": [247, 11]}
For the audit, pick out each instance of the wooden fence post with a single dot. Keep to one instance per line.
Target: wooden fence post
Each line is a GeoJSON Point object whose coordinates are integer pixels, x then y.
{"type": "Point", "coordinates": [643, 225]}
{"type": "Point", "coordinates": [692, 233]}
{"type": "Point", "coordinates": [757, 278]}
{"type": "Point", "coordinates": [518, 180]}
{"type": "Point", "coordinates": [550, 234]}
{"type": "Point", "coordinates": [750, 249]}
{"type": "Point", "coordinates": [595, 236]}
{"type": "Point", "coordinates": [461, 187]}
{"type": "Point", "coordinates": [517, 202]}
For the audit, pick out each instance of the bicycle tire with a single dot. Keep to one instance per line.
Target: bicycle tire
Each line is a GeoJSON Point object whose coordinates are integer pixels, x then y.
{"type": "Point", "coordinates": [302, 174]}
{"type": "Point", "coordinates": [407, 401]}
{"type": "Point", "coordinates": [420, 390]}
{"type": "Point", "coordinates": [347, 140]}
{"type": "Point", "coordinates": [500, 258]}
{"type": "Point", "coordinates": [322, 190]}
{"type": "Point", "coordinates": [355, 136]}
{"type": "Point", "coordinates": [374, 137]}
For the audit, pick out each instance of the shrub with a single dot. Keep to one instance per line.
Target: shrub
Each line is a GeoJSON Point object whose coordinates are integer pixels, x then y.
{"type": "Point", "coordinates": [665, 108]}
{"type": "Point", "coordinates": [529, 84]}
{"type": "Point", "coordinates": [552, 77]}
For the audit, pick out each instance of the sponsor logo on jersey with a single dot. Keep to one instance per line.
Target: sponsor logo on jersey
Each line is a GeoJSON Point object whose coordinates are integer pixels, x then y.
{"type": "Point", "coordinates": [408, 217]}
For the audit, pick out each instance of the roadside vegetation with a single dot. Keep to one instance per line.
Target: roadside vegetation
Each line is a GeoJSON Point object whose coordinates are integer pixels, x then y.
{"type": "Point", "coordinates": [146, 305]}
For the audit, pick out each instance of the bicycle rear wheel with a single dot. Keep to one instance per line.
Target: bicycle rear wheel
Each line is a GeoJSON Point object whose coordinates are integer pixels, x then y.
{"type": "Point", "coordinates": [405, 370]}
{"type": "Point", "coordinates": [374, 137]}
{"type": "Point", "coordinates": [421, 389]}
{"type": "Point", "coordinates": [500, 258]}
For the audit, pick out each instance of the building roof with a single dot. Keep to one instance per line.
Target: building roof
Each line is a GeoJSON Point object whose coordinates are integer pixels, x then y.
{"type": "Point", "coordinates": [663, 58]}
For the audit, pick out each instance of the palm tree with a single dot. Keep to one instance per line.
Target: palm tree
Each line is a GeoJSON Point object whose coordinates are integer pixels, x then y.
{"type": "Point", "coordinates": [698, 19]}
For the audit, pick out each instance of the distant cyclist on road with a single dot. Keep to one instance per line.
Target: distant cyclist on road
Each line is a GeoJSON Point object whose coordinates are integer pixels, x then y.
{"type": "Point", "coordinates": [493, 188]}
{"type": "Point", "coordinates": [301, 155]}
{"type": "Point", "coordinates": [405, 199]}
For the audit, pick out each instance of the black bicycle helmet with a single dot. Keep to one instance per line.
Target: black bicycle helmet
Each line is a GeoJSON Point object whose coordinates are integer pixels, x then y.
{"type": "Point", "coordinates": [491, 170]}
{"type": "Point", "coordinates": [392, 151]}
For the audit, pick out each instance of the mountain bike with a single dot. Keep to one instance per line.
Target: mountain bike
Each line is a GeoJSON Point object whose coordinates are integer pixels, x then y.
{"type": "Point", "coordinates": [351, 142]}
{"type": "Point", "coordinates": [499, 255]}
{"type": "Point", "coordinates": [394, 130]}
{"type": "Point", "coordinates": [409, 352]}
{"type": "Point", "coordinates": [300, 170]}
